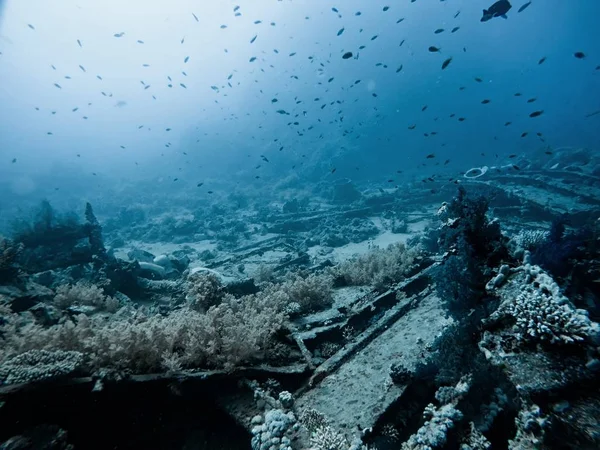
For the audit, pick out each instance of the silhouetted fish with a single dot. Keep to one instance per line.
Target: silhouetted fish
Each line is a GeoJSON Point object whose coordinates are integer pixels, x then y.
{"type": "Point", "coordinates": [498, 9]}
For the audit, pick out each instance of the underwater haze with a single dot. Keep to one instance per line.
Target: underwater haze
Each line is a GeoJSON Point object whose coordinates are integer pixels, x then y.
{"type": "Point", "coordinates": [300, 224]}
{"type": "Point", "coordinates": [96, 95]}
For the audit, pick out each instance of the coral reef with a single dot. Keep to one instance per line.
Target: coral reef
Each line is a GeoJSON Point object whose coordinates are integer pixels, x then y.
{"type": "Point", "coordinates": [37, 365]}
{"type": "Point", "coordinates": [9, 255]}
{"type": "Point", "coordinates": [378, 267]}
{"type": "Point", "coordinates": [439, 420]}
{"type": "Point", "coordinates": [84, 293]}
{"type": "Point", "coordinates": [204, 290]}
{"type": "Point", "coordinates": [531, 427]}
{"type": "Point", "coordinates": [271, 434]}
{"type": "Point", "coordinates": [227, 335]}
{"type": "Point", "coordinates": [474, 246]}
{"type": "Point", "coordinates": [541, 314]}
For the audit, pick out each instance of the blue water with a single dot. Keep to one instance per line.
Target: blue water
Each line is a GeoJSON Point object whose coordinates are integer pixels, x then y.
{"type": "Point", "coordinates": [218, 136]}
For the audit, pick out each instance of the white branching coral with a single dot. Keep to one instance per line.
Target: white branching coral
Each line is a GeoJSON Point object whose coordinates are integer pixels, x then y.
{"type": "Point", "coordinates": [327, 438]}
{"type": "Point", "coordinates": [542, 313]}
{"type": "Point", "coordinates": [313, 419]}
{"type": "Point", "coordinates": [529, 239]}
{"type": "Point", "coordinates": [36, 365]}
{"type": "Point", "coordinates": [439, 420]}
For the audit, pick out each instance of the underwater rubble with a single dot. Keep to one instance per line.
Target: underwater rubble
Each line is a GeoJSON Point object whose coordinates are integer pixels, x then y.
{"type": "Point", "coordinates": [468, 320]}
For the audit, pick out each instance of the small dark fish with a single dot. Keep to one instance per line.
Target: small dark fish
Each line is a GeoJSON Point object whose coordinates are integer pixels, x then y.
{"type": "Point", "coordinates": [335, 10]}
{"type": "Point", "coordinates": [455, 29]}
{"type": "Point", "coordinates": [548, 152]}
{"type": "Point", "coordinates": [433, 49]}
{"type": "Point", "coordinates": [507, 124]}
{"type": "Point", "coordinates": [118, 35]}
{"type": "Point", "coordinates": [53, 67]}
{"type": "Point", "coordinates": [457, 14]}
{"type": "Point", "coordinates": [81, 67]}
{"type": "Point", "coordinates": [253, 39]}
{"type": "Point", "coordinates": [524, 134]}
{"type": "Point", "coordinates": [461, 119]}
{"type": "Point", "coordinates": [186, 59]}
{"type": "Point", "coordinates": [256, 22]}
{"type": "Point", "coordinates": [183, 85]}
{"type": "Point", "coordinates": [195, 17]}
{"type": "Point", "coordinates": [14, 160]}
{"type": "Point", "coordinates": [524, 7]}
{"type": "Point", "coordinates": [199, 184]}
{"type": "Point", "coordinates": [374, 37]}
{"type": "Point", "coordinates": [446, 163]}
{"type": "Point", "coordinates": [209, 192]}
{"type": "Point", "coordinates": [31, 26]}
{"type": "Point", "coordinates": [283, 111]}
{"type": "Point", "coordinates": [517, 94]}
{"type": "Point", "coordinates": [593, 114]}
{"type": "Point", "coordinates": [236, 8]}
{"type": "Point", "coordinates": [347, 55]}
{"type": "Point", "coordinates": [333, 170]}
{"type": "Point", "coordinates": [498, 9]}
{"type": "Point", "coordinates": [579, 55]}
{"type": "Point", "coordinates": [438, 31]}
{"type": "Point", "coordinates": [399, 68]}
{"type": "Point", "coordinates": [516, 167]}
{"type": "Point", "coordinates": [512, 156]}
{"type": "Point", "coordinates": [430, 156]}
{"type": "Point", "coordinates": [446, 63]}
{"type": "Point", "coordinates": [424, 108]}
{"type": "Point", "coordinates": [385, 8]}
{"type": "Point", "coordinates": [412, 127]}
{"type": "Point", "coordinates": [542, 60]}
{"type": "Point", "coordinates": [485, 101]}
{"type": "Point", "coordinates": [58, 85]}
{"type": "Point", "coordinates": [79, 42]}
{"type": "Point", "coordinates": [252, 59]}
{"type": "Point", "coordinates": [536, 113]}
{"type": "Point", "coordinates": [340, 31]}
{"type": "Point", "coordinates": [292, 54]}
{"type": "Point", "coordinates": [402, 42]}
{"type": "Point", "coordinates": [479, 80]}
{"type": "Point", "coordinates": [531, 100]}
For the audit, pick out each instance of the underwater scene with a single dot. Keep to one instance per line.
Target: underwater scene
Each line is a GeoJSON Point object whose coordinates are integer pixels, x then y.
{"type": "Point", "coordinates": [300, 224]}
